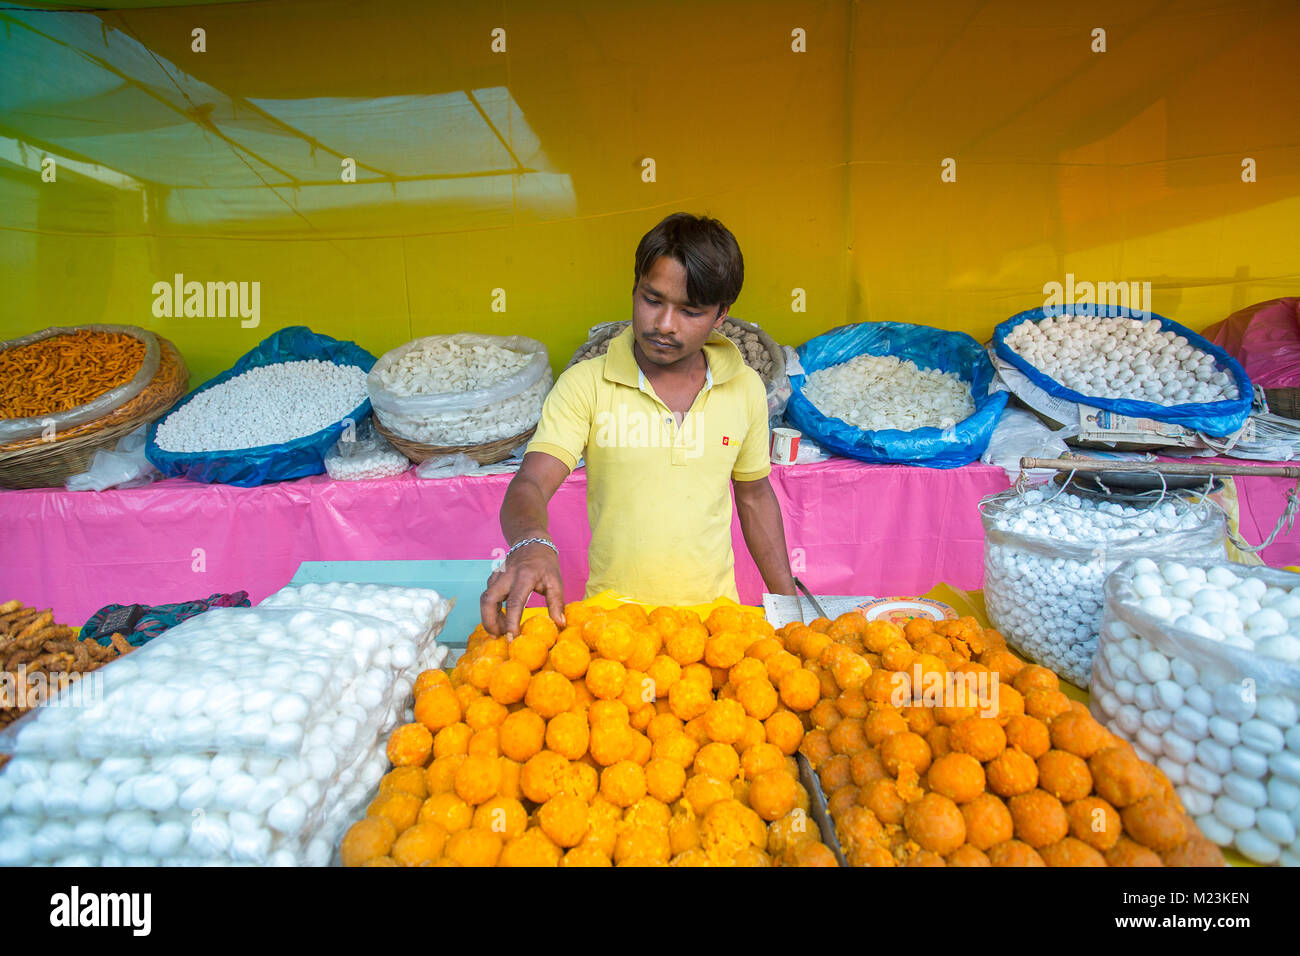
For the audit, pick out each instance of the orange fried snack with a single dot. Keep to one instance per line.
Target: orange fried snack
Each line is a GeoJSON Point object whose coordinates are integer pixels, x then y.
{"type": "Point", "coordinates": [62, 372]}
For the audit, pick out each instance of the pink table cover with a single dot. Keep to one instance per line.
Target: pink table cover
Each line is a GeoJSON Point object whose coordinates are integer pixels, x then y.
{"type": "Point", "coordinates": [851, 528]}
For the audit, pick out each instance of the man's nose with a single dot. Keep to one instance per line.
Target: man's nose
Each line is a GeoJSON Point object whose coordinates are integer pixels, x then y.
{"type": "Point", "coordinates": [666, 320]}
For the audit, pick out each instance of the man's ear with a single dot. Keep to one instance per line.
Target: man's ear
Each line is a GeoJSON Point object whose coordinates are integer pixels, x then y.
{"type": "Point", "coordinates": [722, 314]}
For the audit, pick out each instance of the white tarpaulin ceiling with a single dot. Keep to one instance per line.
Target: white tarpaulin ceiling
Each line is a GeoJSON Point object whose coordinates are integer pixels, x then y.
{"type": "Point", "coordinates": [75, 88]}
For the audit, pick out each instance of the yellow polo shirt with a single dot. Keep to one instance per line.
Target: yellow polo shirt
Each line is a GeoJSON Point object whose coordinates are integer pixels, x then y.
{"type": "Point", "coordinates": [659, 495]}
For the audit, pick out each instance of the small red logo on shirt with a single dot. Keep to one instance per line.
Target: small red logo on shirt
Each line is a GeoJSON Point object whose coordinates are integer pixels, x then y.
{"type": "Point", "coordinates": [726, 440]}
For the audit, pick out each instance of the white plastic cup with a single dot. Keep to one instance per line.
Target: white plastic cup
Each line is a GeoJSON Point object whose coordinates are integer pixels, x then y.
{"type": "Point", "coordinates": [785, 446]}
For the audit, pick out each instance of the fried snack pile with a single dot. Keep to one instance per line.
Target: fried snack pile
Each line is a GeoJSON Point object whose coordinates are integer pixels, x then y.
{"type": "Point", "coordinates": [29, 639]}
{"type": "Point", "coordinates": [627, 739]}
{"type": "Point", "coordinates": [987, 773]}
{"type": "Point", "coordinates": [62, 372]}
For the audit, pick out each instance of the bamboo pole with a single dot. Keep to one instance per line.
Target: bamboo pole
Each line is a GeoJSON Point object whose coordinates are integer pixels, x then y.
{"type": "Point", "coordinates": [1090, 465]}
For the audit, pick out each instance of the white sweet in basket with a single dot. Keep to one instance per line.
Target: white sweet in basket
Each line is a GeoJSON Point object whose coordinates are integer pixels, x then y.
{"type": "Point", "coordinates": [1199, 668]}
{"type": "Point", "coordinates": [1119, 357]}
{"type": "Point", "coordinates": [875, 392]}
{"type": "Point", "coordinates": [1046, 558]}
{"type": "Point", "coordinates": [266, 405]}
{"type": "Point", "coordinates": [259, 762]}
{"type": "Point", "coordinates": [461, 389]}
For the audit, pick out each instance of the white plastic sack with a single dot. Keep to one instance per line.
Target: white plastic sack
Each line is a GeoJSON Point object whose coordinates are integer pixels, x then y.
{"type": "Point", "coordinates": [1021, 434]}
{"type": "Point", "coordinates": [509, 407]}
{"type": "Point", "coordinates": [362, 453]}
{"type": "Point", "coordinates": [124, 467]}
{"type": "Point", "coordinates": [1219, 720]}
{"type": "Point", "coordinates": [1044, 594]}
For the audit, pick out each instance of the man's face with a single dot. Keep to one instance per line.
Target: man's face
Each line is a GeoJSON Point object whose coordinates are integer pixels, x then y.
{"type": "Point", "coordinates": [667, 327]}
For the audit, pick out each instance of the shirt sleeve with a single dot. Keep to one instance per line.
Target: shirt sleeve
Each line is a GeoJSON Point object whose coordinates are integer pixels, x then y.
{"type": "Point", "coordinates": [566, 417]}
{"type": "Point", "coordinates": [755, 459]}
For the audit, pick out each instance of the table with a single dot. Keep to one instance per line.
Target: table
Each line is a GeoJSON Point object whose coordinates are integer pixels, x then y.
{"type": "Point", "coordinates": [852, 528]}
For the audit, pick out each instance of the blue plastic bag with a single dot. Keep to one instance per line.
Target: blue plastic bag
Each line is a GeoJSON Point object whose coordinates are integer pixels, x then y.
{"type": "Point", "coordinates": [928, 348]}
{"type": "Point", "coordinates": [249, 467]}
{"type": "Point", "coordinates": [1219, 419]}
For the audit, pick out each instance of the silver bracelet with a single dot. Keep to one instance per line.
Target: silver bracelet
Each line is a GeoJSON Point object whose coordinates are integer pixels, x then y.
{"type": "Point", "coordinates": [546, 541]}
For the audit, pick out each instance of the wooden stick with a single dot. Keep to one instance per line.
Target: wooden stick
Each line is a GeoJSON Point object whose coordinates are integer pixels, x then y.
{"type": "Point", "coordinates": [1160, 467]}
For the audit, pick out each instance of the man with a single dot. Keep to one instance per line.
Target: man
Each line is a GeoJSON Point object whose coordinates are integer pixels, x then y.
{"type": "Point", "coordinates": [667, 419]}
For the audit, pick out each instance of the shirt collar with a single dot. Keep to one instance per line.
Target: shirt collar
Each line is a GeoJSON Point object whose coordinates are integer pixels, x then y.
{"type": "Point", "coordinates": [723, 360]}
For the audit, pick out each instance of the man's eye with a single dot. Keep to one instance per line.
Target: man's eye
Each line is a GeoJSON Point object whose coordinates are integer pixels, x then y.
{"type": "Point", "coordinates": [695, 315]}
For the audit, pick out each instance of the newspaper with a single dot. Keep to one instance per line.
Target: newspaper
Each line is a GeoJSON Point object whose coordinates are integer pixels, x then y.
{"type": "Point", "coordinates": [1097, 424]}
{"type": "Point", "coordinates": [1062, 411]}
{"type": "Point", "coordinates": [781, 609]}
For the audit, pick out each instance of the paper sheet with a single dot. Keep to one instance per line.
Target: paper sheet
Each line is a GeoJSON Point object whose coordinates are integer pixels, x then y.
{"type": "Point", "coordinates": [781, 609]}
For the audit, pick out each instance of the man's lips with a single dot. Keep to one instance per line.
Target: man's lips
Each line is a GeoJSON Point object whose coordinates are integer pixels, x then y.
{"type": "Point", "coordinates": [662, 345]}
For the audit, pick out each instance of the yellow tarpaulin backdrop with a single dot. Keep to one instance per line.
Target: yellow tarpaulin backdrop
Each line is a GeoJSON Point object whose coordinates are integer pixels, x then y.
{"type": "Point", "coordinates": [507, 159]}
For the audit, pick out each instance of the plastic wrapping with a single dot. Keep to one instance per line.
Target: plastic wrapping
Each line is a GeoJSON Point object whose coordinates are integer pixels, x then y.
{"type": "Point", "coordinates": [1045, 595]}
{"type": "Point", "coordinates": [1021, 434]}
{"type": "Point", "coordinates": [192, 809]}
{"type": "Point", "coordinates": [193, 691]}
{"type": "Point", "coordinates": [13, 429]}
{"type": "Point", "coordinates": [124, 467]}
{"type": "Point", "coordinates": [236, 806]}
{"type": "Point", "coordinates": [248, 467]}
{"type": "Point", "coordinates": [418, 612]}
{"type": "Point", "coordinates": [458, 418]}
{"type": "Point", "coordinates": [1265, 339]}
{"type": "Point", "coordinates": [777, 384]}
{"type": "Point", "coordinates": [1220, 721]}
{"type": "Point", "coordinates": [364, 454]}
{"type": "Point", "coordinates": [447, 466]}
{"type": "Point", "coordinates": [928, 348]}
{"type": "Point", "coordinates": [1219, 419]}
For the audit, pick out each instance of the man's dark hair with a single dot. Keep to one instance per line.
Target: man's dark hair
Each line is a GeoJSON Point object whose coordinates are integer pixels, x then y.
{"type": "Point", "coordinates": [715, 269]}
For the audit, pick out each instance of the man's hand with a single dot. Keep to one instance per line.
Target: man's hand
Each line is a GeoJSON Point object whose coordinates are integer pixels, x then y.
{"type": "Point", "coordinates": [534, 567]}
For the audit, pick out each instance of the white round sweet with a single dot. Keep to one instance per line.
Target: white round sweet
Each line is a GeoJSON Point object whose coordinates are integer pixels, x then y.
{"type": "Point", "coordinates": [1117, 357]}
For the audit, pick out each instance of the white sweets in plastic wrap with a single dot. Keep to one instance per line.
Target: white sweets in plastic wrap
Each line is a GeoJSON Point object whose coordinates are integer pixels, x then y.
{"type": "Point", "coordinates": [461, 389]}
{"type": "Point", "coordinates": [874, 392]}
{"type": "Point", "coordinates": [1118, 357]}
{"type": "Point", "coordinates": [364, 454]}
{"type": "Point", "coordinates": [1199, 668]}
{"type": "Point", "coordinates": [265, 406]}
{"type": "Point", "coordinates": [301, 738]}
{"type": "Point", "coordinates": [1046, 557]}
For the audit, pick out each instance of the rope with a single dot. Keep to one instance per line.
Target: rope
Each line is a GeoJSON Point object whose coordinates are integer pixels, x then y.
{"type": "Point", "coordinates": [1286, 519]}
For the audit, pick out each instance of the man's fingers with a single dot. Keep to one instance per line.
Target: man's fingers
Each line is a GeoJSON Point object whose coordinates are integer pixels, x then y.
{"type": "Point", "coordinates": [555, 599]}
{"type": "Point", "coordinates": [490, 613]}
{"type": "Point", "coordinates": [489, 604]}
{"type": "Point", "coordinates": [515, 604]}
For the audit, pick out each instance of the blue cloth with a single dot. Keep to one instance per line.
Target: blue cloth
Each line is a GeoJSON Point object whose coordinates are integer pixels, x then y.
{"type": "Point", "coordinates": [927, 347]}
{"type": "Point", "coordinates": [248, 467]}
{"type": "Point", "coordinates": [1219, 419]}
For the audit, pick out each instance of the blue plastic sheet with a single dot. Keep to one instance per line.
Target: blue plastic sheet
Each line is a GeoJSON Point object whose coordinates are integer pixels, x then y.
{"type": "Point", "coordinates": [929, 348]}
{"type": "Point", "coordinates": [248, 467]}
{"type": "Point", "coordinates": [1219, 419]}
